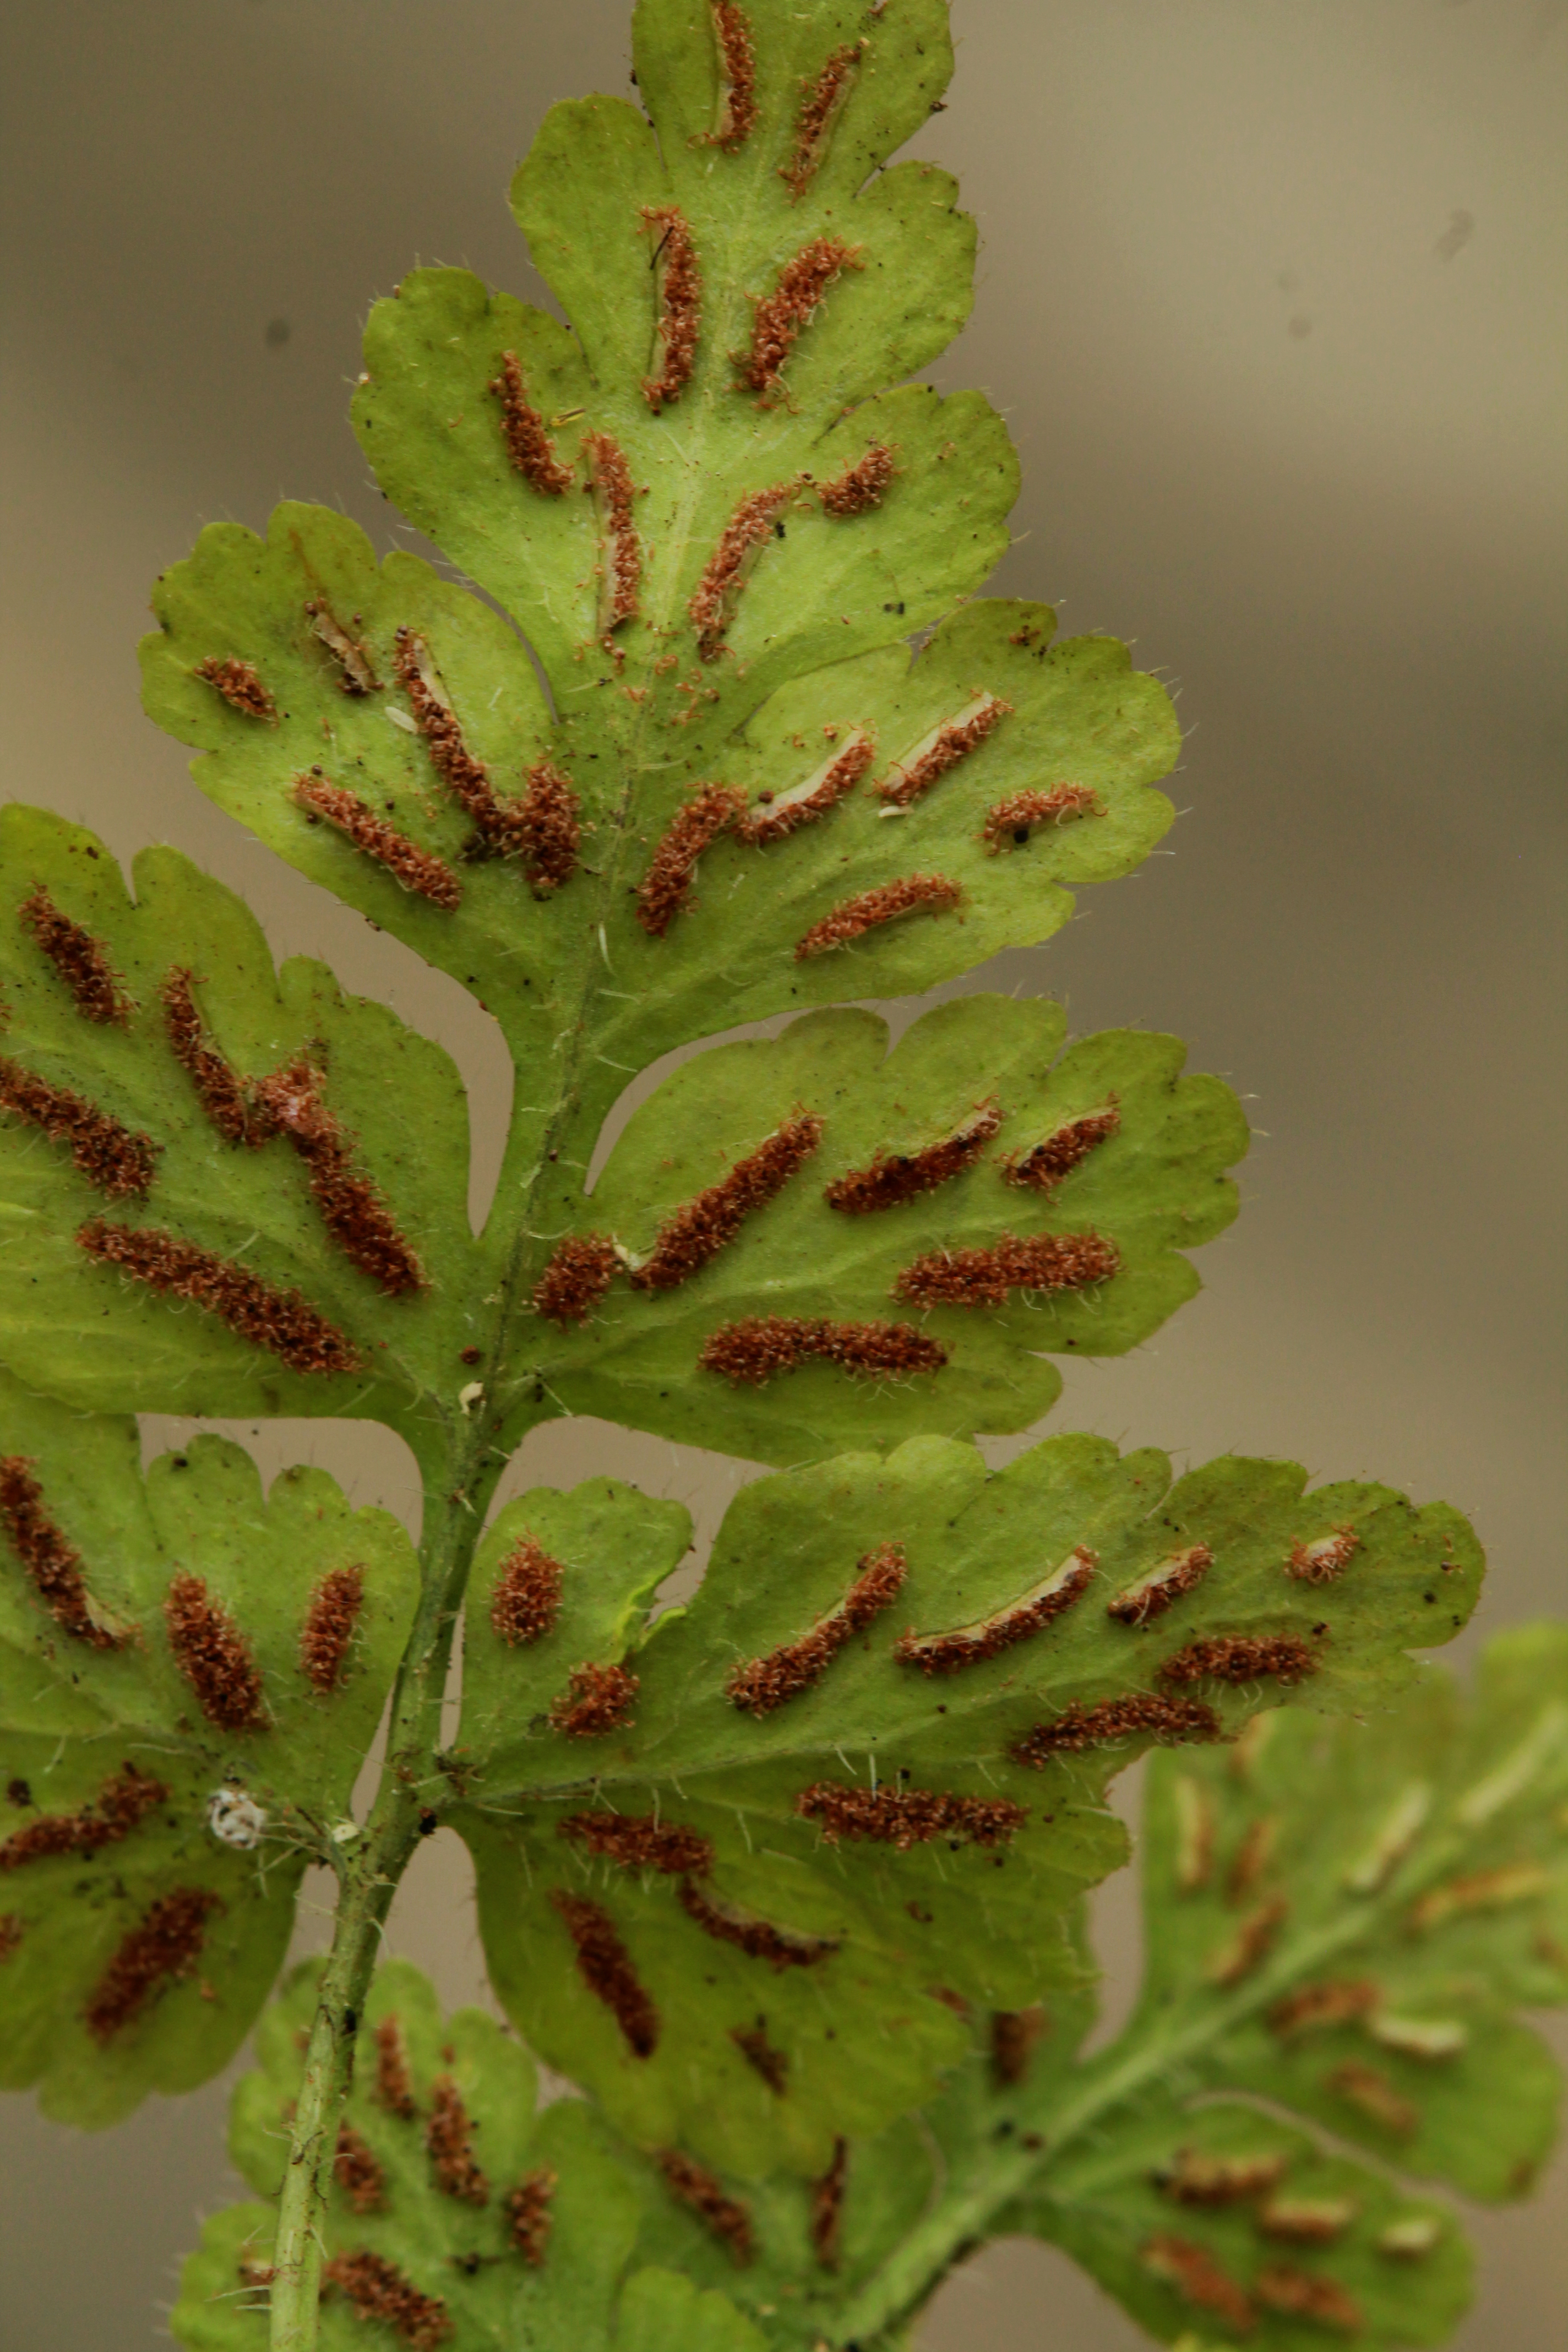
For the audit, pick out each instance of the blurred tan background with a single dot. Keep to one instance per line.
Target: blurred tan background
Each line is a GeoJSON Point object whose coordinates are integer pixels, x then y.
{"type": "Point", "coordinates": [1272, 294]}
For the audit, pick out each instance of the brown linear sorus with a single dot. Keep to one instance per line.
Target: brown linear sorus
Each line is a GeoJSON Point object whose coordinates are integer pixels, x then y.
{"type": "Point", "coordinates": [214, 1656]}
{"type": "Point", "coordinates": [1140, 1715]}
{"type": "Point", "coordinates": [12, 1930]}
{"type": "Point", "coordinates": [1306, 2221]}
{"type": "Point", "coordinates": [942, 749]}
{"type": "Point", "coordinates": [164, 1945]}
{"type": "Point", "coordinates": [356, 671]}
{"type": "Point", "coordinates": [1193, 2176]}
{"type": "Point", "coordinates": [1010, 820]}
{"type": "Point", "coordinates": [1482, 1890]}
{"type": "Point", "coordinates": [596, 1700]}
{"type": "Point", "coordinates": [764, 1684]}
{"type": "Point", "coordinates": [1365, 2088]}
{"type": "Point", "coordinates": [529, 2219]}
{"type": "Point", "coordinates": [52, 1562]}
{"type": "Point", "coordinates": [281, 1321]}
{"type": "Point", "coordinates": [240, 686]}
{"type": "Point", "coordinates": [1250, 1945]}
{"type": "Point", "coordinates": [912, 894]}
{"type": "Point", "coordinates": [779, 317]}
{"type": "Point", "coordinates": [580, 1271]}
{"type": "Point", "coordinates": [1241, 1658]}
{"type": "Point", "coordinates": [826, 2221]}
{"type": "Point", "coordinates": [726, 2217]}
{"type": "Point", "coordinates": [700, 1229]}
{"type": "Point", "coordinates": [528, 444]}
{"type": "Point", "coordinates": [378, 2289]}
{"type": "Point", "coordinates": [860, 486]}
{"type": "Point", "coordinates": [759, 1347]}
{"type": "Point", "coordinates": [81, 962]}
{"type": "Point", "coordinates": [969, 1646]}
{"type": "Point", "coordinates": [526, 1597]}
{"type": "Point", "coordinates": [1150, 1594]}
{"type": "Point", "coordinates": [640, 1842]}
{"type": "Point", "coordinates": [349, 1206]}
{"type": "Point", "coordinates": [466, 779]}
{"type": "Point", "coordinates": [983, 1277]}
{"type": "Point", "coordinates": [220, 1091]}
{"type": "Point", "coordinates": [357, 2172]}
{"type": "Point", "coordinates": [1320, 2007]}
{"type": "Point", "coordinates": [678, 294]}
{"type": "Point", "coordinates": [329, 1629]}
{"type": "Point", "coordinates": [1252, 1857]}
{"type": "Point", "coordinates": [907, 1817]}
{"type": "Point", "coordinates": [394, 2083]}
{"type": "Point", "coordinates": [1042, 1167]}
{"type": "Point", "coordinates": [735, 110]}
{"type": "Point", "coordinates": [123, 1801]}
{"type": "Point", "coordinates": [760, 1939]}
{"type": "Point", "coordinates": [897, 1176]}
{"type": "Point", "coordinates": [448, 2141]}
{"type": "Point", "coordinates": [118, 1162]}
{"type": "Point", "coordinates": [773, 2065]}
{"type": "Point", "coordinates": [1319, 1562]}
{"type": "Point", "coordinates": [823, 98]}
{"type": "Point", "coordinates": [778, 815]}
{"type": "Point", "coordinates": [710, 607]}
{"type": "Point", "coordinates": [1014, 2033]}
{"type": "Point", "coordinates": [1198, 2279]}
{"type": "Point", "coordinates": [620, 549]}
{"type": "Point", "coordinates": [605, 1966]}
{"type": "Point", "coordinates": [666, 887]}
{"type": "Point", "coordinates": [415, 870]}
{"type": "Point", "coordinates": [1299, 2295]}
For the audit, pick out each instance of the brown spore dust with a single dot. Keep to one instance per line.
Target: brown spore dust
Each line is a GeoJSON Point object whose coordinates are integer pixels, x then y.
{"type": "Point", "coordinates": [378, 2290]}
{"type": "Point", "coordinates": [547, 826]}
{"type": "Point", "coordinates": [415, 870]}
{"type": "Point", "coordinates": [775, 816]}
{"type": "Point", "coordinates": [1299, 2295]}
{"type": "Point", "coordinates": [860, 486]}
{"type": "Point", "coordinates": [914, 894]}
{"type": "Point", "coordinates": [639, 1842]}
{"type": "Point", "coordinates": [581, 1270]}
{"type": "Point", "coordinates": [351, 1208]}
{"type": "Point", "coordinates": [760, 1939]}
{"type": "Point", "coordinates": [1242, 1658]}
{"type": "Point", "coordinates": [1195, 2177]}
{"type": "Point", "coordinates": [736, 110]}
{"type": "Point", "coordinates": [605, 1966]}
{"type": "Point", "coordinates": [773, 2065]}
{"type": "Point", "coordinates": [82, 962]}
{"type": "Point", "coordinates": [219, 1088]}
{"type": "Point", "coordinates": [1150, 1595]}
{"type": "Point", "coordinates": [1198, 2279]}
{"type": "Point", "coordinates": [448, 2141]}
{"type": "Point", "coordinates": [329, 1629]}
{"type": "Point", "coordinates": [906, 1817]}
{"type": "Point", "coordinates": [214, 1656]}
{"type": "Point", "coordinates": [1142, 1715]}
{"type": "Point", "coordinates": [357, 2172]}
{"type": "Point", "coordinates": [665, 888]}
{"type": "Point", "coordinates": [759, 1347]}
{"type": "Point", "coordinates": [528, 445]}
{"type": "Point", "coordinates": [526, 1598]}
{"type": "Point", "coordinates": [53, 1564]}
{"type": "Point", "coordinates": [711, 608]}
{"type": "Point", "coordinates": [116, 1161]}
{"type": "Point", "coordinates": [823, 96]}
{"type": "Point", "coordinates": [764, 1684]}
{"type": "Point", "coordinates": [699, 1230]}
{"type": "Point", "coordinates": [912, 776]}
{"type": "Point", "coordinates": [240, 686]}
{"type": "Point", "coordinates": [827, 2223]}
{"type": "Point", "coordinates": [677, 281]}
{"type": "Point", "coordinates": [983, 1277]}
{"type": "Point", "coordinates": [529, 2219]}
{"type": "Point", "coordinates": [949, 1654]}
{"type": "Point", "coordinates": [126, 1798]}
{"type": "Point", "coordinates": [356, 671]}
{"type": "Point", "coordinates": [394, 2083]}
{"type": "Point", "coordinates": [281, 1321]}
{"type": "Point", "coordinates": [598, 1699]}
{"type": "Point", "coordinates": [1321, 1561]}
{"type": "Point", "coordinates": [1042, 1167]}
{"type": "Point", "coordinates": [620, 551]}
{"type": "Point", "coordinates": [1009, 822]}
{"type": "Point", "coordinates": [726, 2217]}
{"type": "Point", "coordinates": [779, 319]}
{"type": "Point", "coordinates": [1320, 2008]}
{"type": "Point", "coordinates": [1014, 2033]}
{"type": "Point", "coordinates": [164, 1945]}
{"type": "Point", "coordinates": [896, 1176]}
